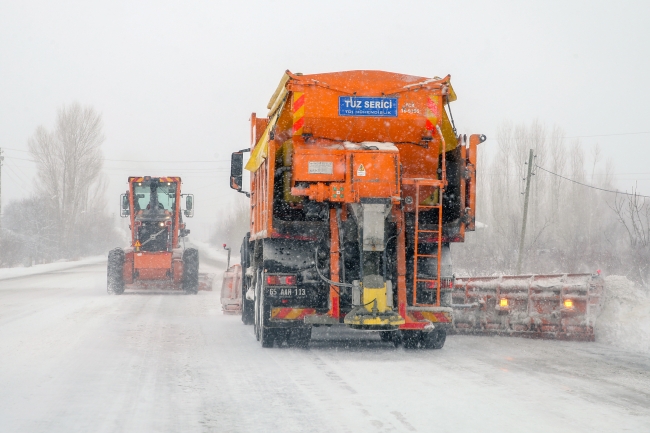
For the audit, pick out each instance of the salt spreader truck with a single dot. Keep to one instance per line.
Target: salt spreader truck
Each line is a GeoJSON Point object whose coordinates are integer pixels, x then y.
{"type": "Point", "coordinates": [358, 184]}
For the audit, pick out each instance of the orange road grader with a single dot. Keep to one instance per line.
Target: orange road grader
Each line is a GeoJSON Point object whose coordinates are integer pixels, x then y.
{"type": "Point", "coordinates": [359, 183]}
{"type": "Point", "coordinates": [155, 259]}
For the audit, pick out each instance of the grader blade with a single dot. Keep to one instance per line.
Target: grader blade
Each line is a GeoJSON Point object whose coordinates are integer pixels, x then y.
{"type": "Point", "coordinates": [562, 307]}
{"type": "Point", "coordinates": [205, 281]}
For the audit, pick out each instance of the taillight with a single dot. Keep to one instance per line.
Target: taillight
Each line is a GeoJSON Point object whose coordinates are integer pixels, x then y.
{"type": "Point", "coordinates": [430, 285]}
{"type": "Point", "coordinates": [281, 280]}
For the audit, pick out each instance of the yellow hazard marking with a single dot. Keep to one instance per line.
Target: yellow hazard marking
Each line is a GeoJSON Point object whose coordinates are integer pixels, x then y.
{"type": "Point", "coordinates": [361, 171]}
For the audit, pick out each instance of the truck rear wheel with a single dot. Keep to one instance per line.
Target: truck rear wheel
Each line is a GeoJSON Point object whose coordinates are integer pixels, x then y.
{"type": "Point", "coordinates": [265, 335]}
{"type": "Point", "coordinates": [434, 340]}
{"type": "Point", "coordinates": [411, 339]}
{"type": "Point", "coordinates": [115, 272]}
{"type": "Point", "coordinates": [191, 271]}
{"type": "Point", "coordinates": [247, 311]}
{"type": "Point", "coordinates": [247, 307]}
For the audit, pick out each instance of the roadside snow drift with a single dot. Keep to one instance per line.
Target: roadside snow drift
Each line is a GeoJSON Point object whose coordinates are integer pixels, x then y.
{"type": "Point", "coordinates": [624, 320]}
{"type": "Point", "coordinates": [17, 272]}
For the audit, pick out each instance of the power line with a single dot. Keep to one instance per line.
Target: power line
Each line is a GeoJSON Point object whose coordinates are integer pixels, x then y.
{"type": "Point", "coordinates": [606, 135]}
{"type": "Point", "coordinates": [142, 161]}
{"type": "Point", "coordinates": [21, 159]}
{"type": "Point", "coordinates": [149, 160]}
{"type": "Point", "coordinates": [590, 186]}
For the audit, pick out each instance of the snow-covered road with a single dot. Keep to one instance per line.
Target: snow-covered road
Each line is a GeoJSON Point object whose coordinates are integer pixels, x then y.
{"type": "Point", "coordinates": [74, 359]}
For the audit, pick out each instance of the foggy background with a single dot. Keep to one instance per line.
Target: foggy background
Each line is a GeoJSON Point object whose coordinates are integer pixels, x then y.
{"type": "Point", "coordinates": [176, 82]}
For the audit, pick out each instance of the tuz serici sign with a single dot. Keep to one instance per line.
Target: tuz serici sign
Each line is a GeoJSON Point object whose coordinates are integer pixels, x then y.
{"type": "Point", "coordinates": [366, 106]}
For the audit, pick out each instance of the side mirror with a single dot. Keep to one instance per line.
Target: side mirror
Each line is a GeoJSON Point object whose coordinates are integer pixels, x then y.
{"type": "Point", "coordinates": [237, 170]}
{"type": "Point", "coordinates": [125, 208]}
{"type": "Point", "coordinates": [189, 206]}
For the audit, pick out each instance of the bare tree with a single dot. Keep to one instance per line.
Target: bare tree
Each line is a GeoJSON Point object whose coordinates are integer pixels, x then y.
{"type": "Point", "coordinates": [232, 225]}
{"type": "Point", "coordinates": [571, 229]}
{"type": "Point", "coordinates": [69, 161]}
{"type": "Point", "coordinates": [633, 212]}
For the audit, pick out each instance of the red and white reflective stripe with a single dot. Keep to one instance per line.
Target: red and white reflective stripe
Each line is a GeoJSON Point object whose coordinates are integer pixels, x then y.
{"type": "Point", "coordinates": [431, 316]}
{"type": "Point", "coordinates": [432, 112]}
{"type": "Point", "coordinates": [291, 313]}
{"type": "Point", "coordinates": [298, 108]}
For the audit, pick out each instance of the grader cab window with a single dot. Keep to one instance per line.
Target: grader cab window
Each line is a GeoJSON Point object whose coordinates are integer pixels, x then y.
{"type": "Point", "coordinates": [166, 192]}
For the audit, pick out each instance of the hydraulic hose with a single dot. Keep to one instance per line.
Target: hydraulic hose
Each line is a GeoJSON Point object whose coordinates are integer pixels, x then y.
{"type": "Point", "coordinates": [333, 283]}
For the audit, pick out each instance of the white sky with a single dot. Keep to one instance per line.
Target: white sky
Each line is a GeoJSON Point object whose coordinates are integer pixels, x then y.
{"type": "Point", "coordinates": [177, 81]}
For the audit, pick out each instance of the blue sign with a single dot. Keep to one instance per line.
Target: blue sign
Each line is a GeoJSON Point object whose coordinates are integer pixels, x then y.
{"type": "Point", "coordinates": [365, 106]}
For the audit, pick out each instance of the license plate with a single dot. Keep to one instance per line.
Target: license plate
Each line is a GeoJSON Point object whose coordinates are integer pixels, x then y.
{"type": "Point", "coordinates": [288, 292]}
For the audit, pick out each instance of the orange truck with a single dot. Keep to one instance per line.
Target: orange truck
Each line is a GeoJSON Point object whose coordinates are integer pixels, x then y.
{"type": "Point", "coordinates": [156, 259]}
{"type": "Point", "coordinates": [358, 184]}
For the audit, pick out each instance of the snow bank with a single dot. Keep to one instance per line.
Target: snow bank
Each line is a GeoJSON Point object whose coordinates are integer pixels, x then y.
{"type": "Point", "coordinates": [6, 273]}
{"type": "Point", "coordinates": [624, 320]}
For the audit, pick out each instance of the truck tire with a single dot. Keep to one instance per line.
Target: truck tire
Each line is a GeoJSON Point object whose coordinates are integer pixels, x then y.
{"type": "Point", "coordinates": [247, 311]}
{"type": "Point", "coordinates": [435, 339]}
{"type": "Point", "coordinates": [115, 272]}
{"type": "Point", "coordinates": [191, 271]}
{"type": "Point", "coordinates": [256, 307]}
{"type": "Point", "coordinates": [411, 339]}
{"type": "Point", "coordinates": [247, 307]}
{"type": "Point", "coordinates": [264, 334]}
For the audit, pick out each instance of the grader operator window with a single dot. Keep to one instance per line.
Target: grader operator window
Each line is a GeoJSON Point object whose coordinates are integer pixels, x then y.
{"type": "Point", "coordinates": [166, 192]}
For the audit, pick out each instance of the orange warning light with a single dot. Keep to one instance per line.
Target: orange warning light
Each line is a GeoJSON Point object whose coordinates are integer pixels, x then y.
{"type": "Point", "coordinates": [503, 302]}
{"type": "Point", "coordinates": [568, 303]}
{"type": "Point", "coordinates": [137, 245]}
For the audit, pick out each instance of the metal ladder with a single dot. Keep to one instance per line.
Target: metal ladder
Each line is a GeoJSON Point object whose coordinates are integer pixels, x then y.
{"type": "Point", "coordinates": [437, 234]}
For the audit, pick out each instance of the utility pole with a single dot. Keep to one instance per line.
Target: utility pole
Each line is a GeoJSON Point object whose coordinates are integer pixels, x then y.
{"type": "Point", "coordinates": [523, 224]}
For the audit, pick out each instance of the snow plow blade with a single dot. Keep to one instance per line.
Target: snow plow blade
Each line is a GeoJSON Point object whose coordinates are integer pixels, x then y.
{"type": "Point", "coordinates": [231, 290]}
{"type": "Point", "coordinates": [555, 307]}
{"type": "Point", "coordinates": [205, 281]}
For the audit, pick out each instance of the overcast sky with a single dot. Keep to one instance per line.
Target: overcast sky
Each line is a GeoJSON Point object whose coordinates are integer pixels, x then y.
{"type": "Point", "coordinates": [177, 81]}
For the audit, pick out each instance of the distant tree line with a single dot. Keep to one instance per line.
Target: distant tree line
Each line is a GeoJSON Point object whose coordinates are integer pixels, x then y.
{"type": "Point", "coordinates": [66, 216]}
{"type": "Point", "coordinates": [571, 227]}
{"type": "Point", "coordinates": [232, 225]}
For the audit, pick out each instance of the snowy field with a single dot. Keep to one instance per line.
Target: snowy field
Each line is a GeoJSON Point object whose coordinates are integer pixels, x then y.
{"type": "Point", "coordinates": [73, 359]}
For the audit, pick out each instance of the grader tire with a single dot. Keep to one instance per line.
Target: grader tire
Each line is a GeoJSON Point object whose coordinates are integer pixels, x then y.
{"type": "Point", "coordinates": [191, 271]}
{"type": "Point", "coordinates": [115, 272]}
